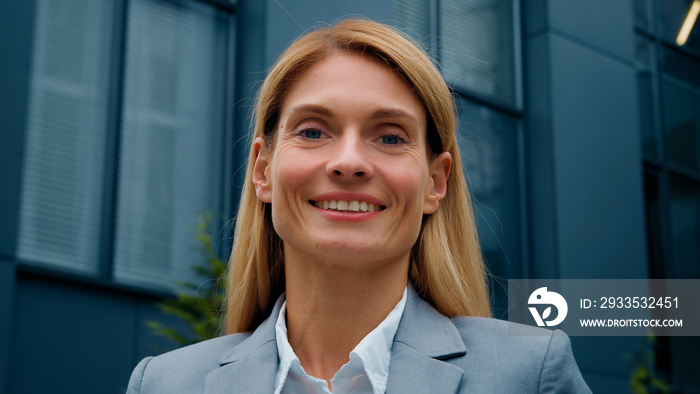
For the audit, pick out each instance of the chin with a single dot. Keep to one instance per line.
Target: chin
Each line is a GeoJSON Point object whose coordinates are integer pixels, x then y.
{"type": "Point", "coordinates": [341, 249]}
{"type": "Point", "coordinates": [356, 254]}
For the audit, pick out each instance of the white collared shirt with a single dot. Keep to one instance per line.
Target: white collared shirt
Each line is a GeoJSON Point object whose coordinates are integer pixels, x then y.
{"type": "Point", "coordinates": [366, 372]}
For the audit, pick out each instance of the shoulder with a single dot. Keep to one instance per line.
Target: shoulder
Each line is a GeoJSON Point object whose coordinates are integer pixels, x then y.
{"type": "Point", "coordinates": [481, 331]}
{"type": "Point", "coordinates": [184, 369]}
{"type": "Point", "coordinates": [538, 359]}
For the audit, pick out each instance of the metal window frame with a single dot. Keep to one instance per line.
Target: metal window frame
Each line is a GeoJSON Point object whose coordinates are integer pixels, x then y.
{"type": "Point", "coordinates": [515, 111]}
{"type": "Point", "coordinates": [104, 276]}
{"type": "Point", "coordinates": [663, 170]}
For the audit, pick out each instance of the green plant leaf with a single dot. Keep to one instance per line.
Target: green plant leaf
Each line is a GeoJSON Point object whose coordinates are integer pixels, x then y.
{"type": "Point", "coordinates": [197, 304]}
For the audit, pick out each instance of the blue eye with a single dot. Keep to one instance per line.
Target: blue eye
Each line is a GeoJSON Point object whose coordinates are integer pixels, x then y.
{"type": "Point", "coordinates": [391, 139]}
{"type": "Point", "coordinates": [312, 134]}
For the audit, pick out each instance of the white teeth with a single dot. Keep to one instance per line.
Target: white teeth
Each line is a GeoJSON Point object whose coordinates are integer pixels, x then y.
{"type": "Point", "coordinates": [342, 205]}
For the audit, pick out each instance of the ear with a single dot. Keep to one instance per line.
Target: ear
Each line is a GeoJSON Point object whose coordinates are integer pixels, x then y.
{"type": "Point", "coordinates": [437, 189]}
{"type": "Point", "coordinates": [261, 169]}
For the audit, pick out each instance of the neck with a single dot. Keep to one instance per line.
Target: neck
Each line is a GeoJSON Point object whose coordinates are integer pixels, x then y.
{"type": "Point", "coordinates": [331, 307]}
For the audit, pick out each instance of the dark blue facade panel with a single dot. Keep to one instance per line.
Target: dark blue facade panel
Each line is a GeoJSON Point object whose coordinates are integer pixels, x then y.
{"type": "Point", "coordinates": [7, 293]}
{"type": "Point", "coordinates": [597, 160]}
{"type": "Point", "coordinates": [70, 340]}
{"type": "Point", "coordinates": [286, 19]}
{"type": "Point", "coordinates": [602, 24]}
{"type": "Point", "coordinates": [16, 18]}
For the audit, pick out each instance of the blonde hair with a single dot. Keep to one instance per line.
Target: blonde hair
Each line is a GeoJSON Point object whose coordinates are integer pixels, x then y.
{"type": "Point", "coordinates": [446, 269]}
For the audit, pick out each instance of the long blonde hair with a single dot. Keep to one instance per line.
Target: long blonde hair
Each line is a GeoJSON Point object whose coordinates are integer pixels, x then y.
{"type": "Point", "coordinates": [446, 270]}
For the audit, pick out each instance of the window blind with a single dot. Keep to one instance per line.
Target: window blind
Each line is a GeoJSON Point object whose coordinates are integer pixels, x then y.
{"type": "Point", "coordinates": [477, 51]}
{"type": "Point", "coordinates": [59, 218]}
{"type": "Point", "coordinates": [413, 18]}
{"type": "Point", "coordinates": [171, 141]}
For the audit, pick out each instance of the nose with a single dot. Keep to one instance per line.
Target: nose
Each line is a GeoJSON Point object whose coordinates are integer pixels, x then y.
{"type": "Point", "coordinates": [350, 161]}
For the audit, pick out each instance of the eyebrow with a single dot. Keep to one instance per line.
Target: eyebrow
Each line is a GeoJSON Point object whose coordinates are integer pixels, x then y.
{"type": "Point", "coordinates": [311, 108]}
{"type": "Point", "coordinates": [392, 113]}
{"type": "Point", "coordinates": [380, 113]}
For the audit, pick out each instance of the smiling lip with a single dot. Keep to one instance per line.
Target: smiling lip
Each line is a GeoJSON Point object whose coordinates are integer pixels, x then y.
{"type": "Point", "coordinates": [347, 206]}
{"type": "Point", "coordinates": [349, 196]}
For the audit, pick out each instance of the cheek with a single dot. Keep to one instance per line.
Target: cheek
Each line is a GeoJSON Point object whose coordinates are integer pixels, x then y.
{"type": "Point", "coordinates": [290, 174]}
{"type": "Point", "coordinates": [411, 178]}
{"type": "Point", "coordinates": [411, 186]}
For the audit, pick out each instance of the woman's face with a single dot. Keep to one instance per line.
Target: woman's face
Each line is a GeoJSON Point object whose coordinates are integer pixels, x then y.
{"type": "Point", "coordinates": [349, 178]}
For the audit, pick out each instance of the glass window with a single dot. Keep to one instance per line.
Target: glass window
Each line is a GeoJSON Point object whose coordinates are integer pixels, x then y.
{"type": "Point", "coordinates": [172, 140]}
{"type": "Point", "coordinates": [645, 96]}
{"type": "Point", "coordinates": [685, 227]}
{"type": "Point", "coordinates": [680, 67]}
{"type": "Point", "coordinates": [673, 15]}
{"type": "Point", "coordinates": [168, 160]}
{"type": "Point", "coordinates": [489, 147]}
{"type": "Point", "coordinates": [413, 17]}
{"type": "Point", "coordinates": [477, 51]}
{"type": "Point", "coordinates": [654, 214]}
{"type": "Point", "coordinates": [477, 56]}
{"type": "Point", "coordinates": [681, 124]}
{"type": "Point", "coordinates": [63, 173]}
{"type": "Point", "coordinates": [686, 364]}
{"type": "Point", "coordinates": [669, 98]}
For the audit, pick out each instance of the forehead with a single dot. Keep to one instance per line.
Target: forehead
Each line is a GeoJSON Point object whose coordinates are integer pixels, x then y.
{"type": "Point", "coordinates": [350, 81]}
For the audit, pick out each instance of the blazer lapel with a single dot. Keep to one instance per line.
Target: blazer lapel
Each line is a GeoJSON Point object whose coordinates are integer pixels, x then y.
{"type": "Point", "coordinates": [424, 338]}
{"type": "Point", "coordinates": [251, 366]}
{"type": "Point", "coordinates": [252, 373]}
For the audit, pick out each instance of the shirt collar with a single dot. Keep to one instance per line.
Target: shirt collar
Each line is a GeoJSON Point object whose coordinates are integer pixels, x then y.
{"type": "Point", "coordinates": [371, 356]}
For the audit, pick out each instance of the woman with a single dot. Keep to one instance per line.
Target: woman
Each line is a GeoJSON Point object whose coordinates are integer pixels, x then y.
{"type": "Point", "coordinates": [356, 266]}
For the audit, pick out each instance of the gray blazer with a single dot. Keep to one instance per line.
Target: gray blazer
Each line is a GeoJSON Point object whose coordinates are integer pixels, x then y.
{"type": "Point", "coordinates": [431, 354]}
